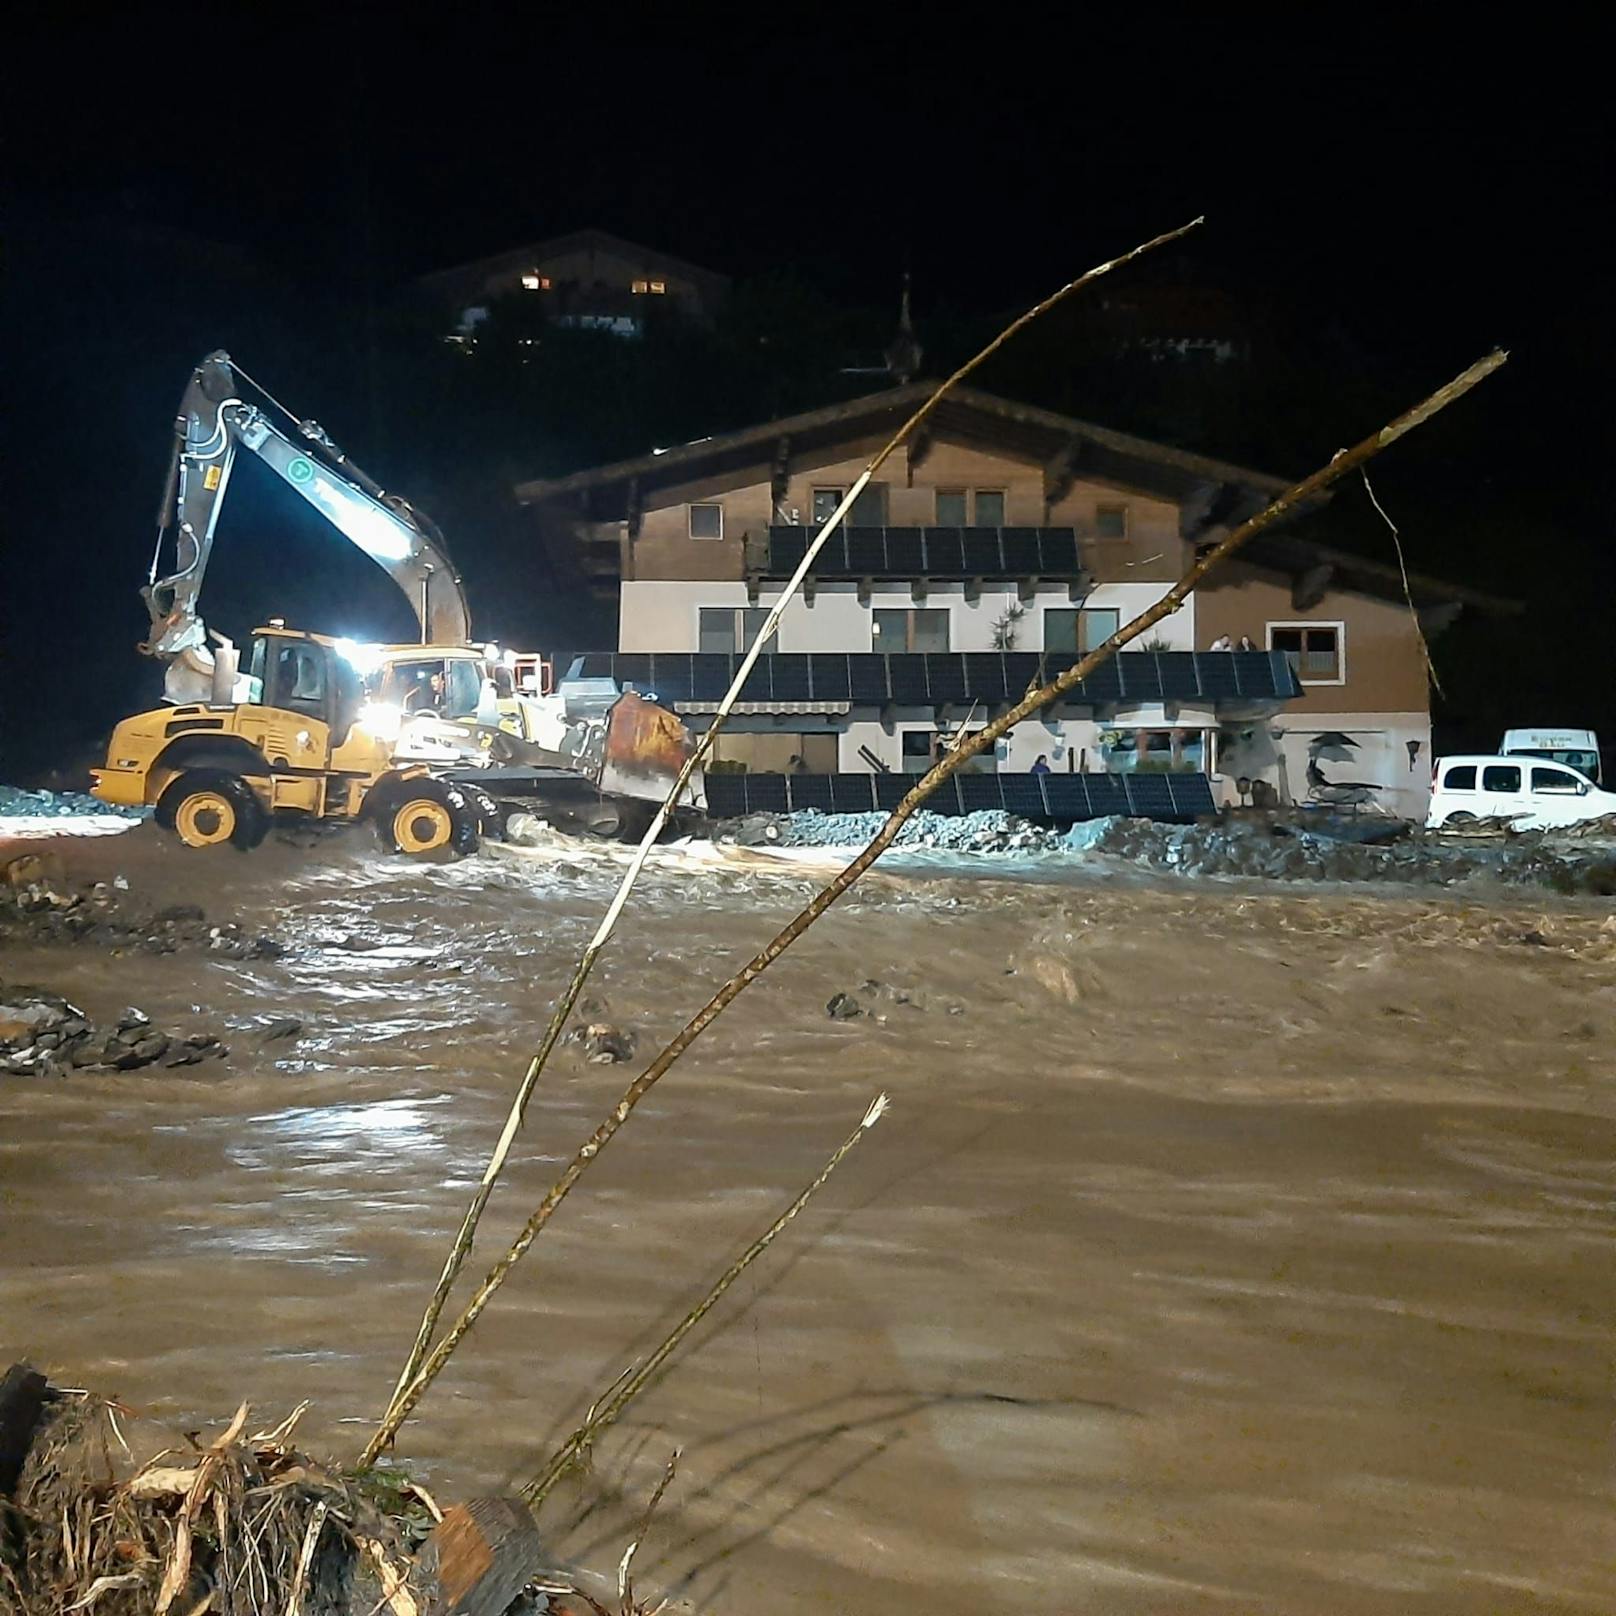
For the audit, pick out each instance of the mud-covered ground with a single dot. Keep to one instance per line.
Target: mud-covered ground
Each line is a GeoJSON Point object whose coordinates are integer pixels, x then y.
{"type": "Point", "coordinates": [1227, 1248]}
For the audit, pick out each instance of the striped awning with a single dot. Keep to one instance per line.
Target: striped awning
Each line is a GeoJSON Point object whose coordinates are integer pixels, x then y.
{"type": "Point", "coordinates": [765, 708]}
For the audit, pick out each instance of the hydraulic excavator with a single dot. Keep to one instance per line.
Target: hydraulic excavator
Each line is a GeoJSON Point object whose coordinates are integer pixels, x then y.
{"type": "Point", "coordinates": [311, 725]}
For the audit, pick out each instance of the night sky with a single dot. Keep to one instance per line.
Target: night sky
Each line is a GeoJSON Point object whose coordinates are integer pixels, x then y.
{"type": "Point", "coordinates": [268, 180]}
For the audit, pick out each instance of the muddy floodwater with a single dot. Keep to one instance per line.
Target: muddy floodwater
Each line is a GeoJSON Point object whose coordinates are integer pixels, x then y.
{"type": "Point", "coordinates": [1225, 1249]}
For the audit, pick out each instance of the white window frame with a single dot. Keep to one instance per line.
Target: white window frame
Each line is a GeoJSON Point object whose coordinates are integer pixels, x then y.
{"type": "Point", "coordinates": [690, 521]}
{"type": "Point", "coordinates": [945, 612]}
{"type": "Point", "coordinates": [1127, 521]}
{"type": "Point", "coordinates": [814, 491]}
{"type": "Point", "coordinates": [1340, 646]}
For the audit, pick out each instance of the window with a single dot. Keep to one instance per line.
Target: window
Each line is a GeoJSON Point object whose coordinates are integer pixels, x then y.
{"type": "Point", "coordinates": [909, 629]}
{"type": "Point", "coordinates": [639, 288]}
{"type": "Point", "coordinates": [989, 504]}
{"type": "Point", "coordinates": [533, 281]}
{"type": "Point", "coordinates": [299, 678]}
{"type": "Point", "coordinates": [870, 508]}
{"type": "Point", "coordinates": [730, 629]}
{"type": "Point", "coordinates": [825, 502]}
{"type": "Point", "coordinates": [919, 750]}
{"type": "Point", "coordinates": [951, 507]}
{"type": "Point", "coordinates": [658, 288]}
{"type": "Point", "coordinates": [1110, 521]}
{"type": "Point", "coordinates": [1460, 779]}
{"type": "Point", "coordinates": [1501, 777]}
{"type": "Point", "coordinates": [1312, 649]}
{"type": "Point", "coordinates": [1079, 632]}
{"type": "Point", "coordinates": [706, 521]}
{"type": "Point", "coordinates": [1153, 751]}
{"type": "Point", "coordinates": [1557, 780]}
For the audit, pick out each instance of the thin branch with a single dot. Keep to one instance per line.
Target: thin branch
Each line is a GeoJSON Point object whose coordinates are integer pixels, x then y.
{"type": "Point", "coordinates": [460, 1249]}
{"type": "Point", "coordinates": [607, 1411]}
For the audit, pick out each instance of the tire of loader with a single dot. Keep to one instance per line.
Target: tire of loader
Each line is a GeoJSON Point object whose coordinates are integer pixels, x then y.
{"type": "Point", "coordinates": [429, 817]}
{"type": "Point", "coordinates": [207, 808]}
{"type": "Point", "coordinates": [490, 816]}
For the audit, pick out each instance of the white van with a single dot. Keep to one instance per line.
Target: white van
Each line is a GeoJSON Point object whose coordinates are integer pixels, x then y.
{"type": "Point", "coordinates": [1533, 793]}
{"type": "Point", "coordinates": [1576, 748]}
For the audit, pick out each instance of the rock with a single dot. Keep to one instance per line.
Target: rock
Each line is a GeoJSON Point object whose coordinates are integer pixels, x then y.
{"type": "Point", "coordinates": [843, 1007]}
{"type": "Point", "coordinates": [605, 1045]}
{"type": "Point", "coordinates": [281, 1028]}
{"type": "Point", "coordinates": [133, 1019]}
{"type": "Point", "coordinates": [152, 1047]}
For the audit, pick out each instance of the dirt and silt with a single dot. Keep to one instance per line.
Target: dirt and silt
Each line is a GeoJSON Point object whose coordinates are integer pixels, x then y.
{"type": "Point", "coordinates": [1228, 1248]}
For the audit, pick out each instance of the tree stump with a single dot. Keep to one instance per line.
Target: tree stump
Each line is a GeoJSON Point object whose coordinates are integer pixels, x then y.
{"type": "Point", "coordinates": [478, 1558]}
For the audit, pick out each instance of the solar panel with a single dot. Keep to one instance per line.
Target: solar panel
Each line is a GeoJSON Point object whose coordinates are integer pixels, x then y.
{"type": "Point", "coordinates": [867, 551]}
{"type": "Point", "coordinates": [979, 791]}
{"type": "Point", "coordinates": [790, 676]}
{"type": "Point", "coordinates": [1106, 795]}
{"type": "Point", "coordinates": [984, 676]}
{"type": "Point", "coordinates": [1104, 683]}
{"type": "Point", "coordinates": [591, 665]}
{"type": "Point", "coordinates": [1217, 672]}
{"type": "Point", "coordinates": [809, 791]}
{"type": "Point", "coordinates": [759, 684]}
{"type": "Point", "coordinates": [946, 798]}
{"type": "Point", "coordinates": [787, 546]}
{"type": "Point", "coordinates": [1022, 552]}
{"type": "Point", "coordinates": [670, 675]}
{"type": "Point", "coordinates": [726, 795]}
{"type": "Point", "coordinates": [907, 678]}
{"type": "Point", "coordinates": [891, 789]}
{"type": "Point", "coordinates": [945, 676]}
{"type": "Point", "coordinates": [867, 678]}
{"type": "Point", "coordinates": [1140, 675]}
{"type": "Point", "coordinates": [710, 674]}
{"type": "Point", "coordinates": [1066, 796]}
{"type": "Point", "coordinates": [1179, 678]}
{"type": "Point", "coordinates": [827, 672]}
{"type": "Point", "coordinates": [1254, 671]}
{"type": "Point", "coordinates": [945, 551]}
{"type": "Point", "coordinates": [1192, 795]}
{"type": "Point", "coordinates": [852, 793]}
{"type": "Point", "coordinates": [765, 793]}
{"type": "Point", "coordinates": [1020, 670]}
{"type": "Point", "coordinates": [983, 556]}
{"type": "Point", "coordinates": [1149, 795]}
{"type": "Point", "coordinates": [833, 558]}
{"type": "Point", "coordinates": [1023, 794]}
{"type": "Point", "coordinates": [1060, 553]}
{"type": "Point", "coordinates": [632, 668]}
{"type": "Point", "coordinates": [906, 552]}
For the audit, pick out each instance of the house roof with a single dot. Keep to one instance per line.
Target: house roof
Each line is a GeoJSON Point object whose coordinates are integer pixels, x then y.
{"type": "Point", "coordinates": [522, 257]}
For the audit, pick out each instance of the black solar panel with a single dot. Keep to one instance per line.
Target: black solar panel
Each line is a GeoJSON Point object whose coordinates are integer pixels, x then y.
{"type": "Point", "coordinates": [670, 675]}
{"type": "Point", "coordinates": [907, 678]}
{"type": "Point", "coordinates": [982, 552]}
{"type": "Point", "coordinates": [945, 551]}
{"type": "Point", "coordinates": [906, 552]}
{"type": "Point", "coordinates": [1140, 675]}
{"type": "Point", "coordinates": [632, 668]}
{"type": "Point", "coordinates": [1022, 551]}
{"type": "Point", "coordinates": [790, 677]}
{"type": "Point", "coordinates": [1180, 681]}
{"type": "Point", "coordinates": [1023, 794]}
{"type": "Point", "coordinates": [710, 674]}
{"type": "Point", "coordinates": [1020, 670]}
{"type": "Point", "coordinates": [1106, 795]}
{"type": "Point", "coordinates": [828, 675]}
{"type": "Point", "coordinates": [1067, 796]}
{"type": "Point", "coordinates": [832, 559]}
{"type": "Point", "coordinates": [979, 791]}
{"type": "Point", "coordinates": [945, 677]}
{"type": "Point", "coordinates": [787, 546]}
{"type": "Point", "coordinates": [852, 793]}
{"type": "Point", "coordinates": [765, 793]}
{"type": "Point", "coordinates": [867, 679]}
{"type": "Point", "coordinates": [591, 665]}
{"type": "Point", "coordinates": [984, 676]}
{"type": "Point", "coordinates": [1104, 683]}
{"type": "Point", "coordinates": [1217, 673]}
{"type": "Point", "coordinates": [726, 795]}
{"type": "Point", "coordinates": [809, 791]}
{"type": "Point", "coordinates": [759, 684]}
{"type": "Point", "coordinates": [866, 550]}
{"type": "Point", "coordinates": [946, 798]}
{"type": "Point", "coordinates": [1192, 795]}
{"type": "Point", "coordinates": [1254, 671]}
{"type": "Point", "coordinates": [1059, 550]}
{"type": "Point", "coordinates": [891, 789]}
{"type": "Point", "coordinates": [1149, 795]}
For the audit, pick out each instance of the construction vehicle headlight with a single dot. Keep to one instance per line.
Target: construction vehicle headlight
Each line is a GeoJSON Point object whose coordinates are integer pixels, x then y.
{"type": "Point", "coordinates": [383, 719]}
{"type": "Point", "coordinates": [363, 659]}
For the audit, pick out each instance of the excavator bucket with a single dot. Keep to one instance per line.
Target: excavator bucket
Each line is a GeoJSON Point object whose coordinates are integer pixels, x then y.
{"type": "Point", "coordinates": [646, 747]}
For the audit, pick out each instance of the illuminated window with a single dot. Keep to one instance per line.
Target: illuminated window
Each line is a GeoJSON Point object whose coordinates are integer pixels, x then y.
{"type": "Point", "coordinates": [658, 288]}
{"type": "Point", "coordinates": [1312, 649]}
{"type": "Point", "coordinates": [1111, 521]}
{"type": "Point", "coordinates": [825, 502]}
{"type": "Point", "coordinates": [533, 281]}
{"type": "Point", "coordinates": [640, 288]}
{"type": "Point", "coordinates": [706, 521]}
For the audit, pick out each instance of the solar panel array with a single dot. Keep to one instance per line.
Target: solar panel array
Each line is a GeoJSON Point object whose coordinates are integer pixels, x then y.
{"type": "Point", "coordinates": [1049, 798]}
{"type": "Point", "coordinates": [873, 679]}
{"type": "Point", "coordinates": [929, 552]}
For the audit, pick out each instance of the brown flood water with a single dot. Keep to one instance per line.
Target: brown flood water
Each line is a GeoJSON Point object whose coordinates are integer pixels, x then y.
{"type": "Point", "coordinates": [1224, 1250]}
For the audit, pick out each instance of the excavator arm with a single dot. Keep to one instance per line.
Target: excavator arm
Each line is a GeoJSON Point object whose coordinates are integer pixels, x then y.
{"type": "Point", "coordinates": [214, 421]}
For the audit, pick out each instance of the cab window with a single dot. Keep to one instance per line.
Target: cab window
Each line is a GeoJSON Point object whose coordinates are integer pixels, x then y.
{"type": "Point", "coordinates": [299, 683]}
{"type": "Point", "coordinates": [1556, 780]}
{"type": "Point", "coordinates": [465, 688]}
{"type": "Point", "coordinates": [1501, 777]}
{"type": "Point", "coordinates": [1462, 778]}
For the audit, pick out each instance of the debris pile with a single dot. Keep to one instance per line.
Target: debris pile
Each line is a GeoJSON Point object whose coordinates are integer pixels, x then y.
{"type": "Point", "coordinates": [16, 803]}
{"type": "Point", "coordinates": [991, 830]}
{"type": "Point", "coordinates": [43, 1035]}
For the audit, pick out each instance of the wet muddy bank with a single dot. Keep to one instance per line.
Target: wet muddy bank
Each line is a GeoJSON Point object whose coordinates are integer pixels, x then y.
{"type": "Point", "coordinates": [1228, 1247]}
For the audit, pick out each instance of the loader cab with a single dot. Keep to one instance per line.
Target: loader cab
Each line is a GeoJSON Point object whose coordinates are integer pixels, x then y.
{"type": "Point", "coordinates": [305, 674]}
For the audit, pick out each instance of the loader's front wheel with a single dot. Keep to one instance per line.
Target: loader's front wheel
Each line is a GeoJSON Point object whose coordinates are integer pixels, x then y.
{"type": "Point", "coordinates": [429, 818]}
{"type": "Point", "coordinates": [208, 808]}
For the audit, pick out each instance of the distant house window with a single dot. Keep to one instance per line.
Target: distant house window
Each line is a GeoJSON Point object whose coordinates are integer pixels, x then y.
{"type": "Point", "coordinates": [639, 288]}
{"type": "Point", "coordinates": [909, 629]}
{"type": "Point", "coordinates": [658, 288]}
{"type": "Point", "coordinates": [951, 507]}
{"type": "Point", "coordinates": [1312, 649]}
{"type": "Point", "coordinates": [870, 508]}
{"type": "Point", "coordinates": [533, 281]}
{"type": "Point", "coordinates": [989, 504]}
{"type": "Point", "coordinates": [1081, 631]}
{"type": "Point", "coordinates": [1110, 521]}
{"type": "Point", "coordinates": [706, 521]}
{"type": "Point", "coordinates": [729, 629]}
{"type": "Point", "coordinates": [825, 502]}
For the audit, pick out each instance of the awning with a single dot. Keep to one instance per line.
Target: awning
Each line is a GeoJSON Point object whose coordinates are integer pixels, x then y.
{"type": "Point", "coordinates": [768, 708]}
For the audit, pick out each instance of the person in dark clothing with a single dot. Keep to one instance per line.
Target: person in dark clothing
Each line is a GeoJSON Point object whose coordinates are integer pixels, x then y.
{"type": "Point", "coordinates": [1041, 764]}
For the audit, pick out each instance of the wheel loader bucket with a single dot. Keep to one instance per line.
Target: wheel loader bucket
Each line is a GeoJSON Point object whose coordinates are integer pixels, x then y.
{"type": "Point", "coordinates": [646, 746]}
